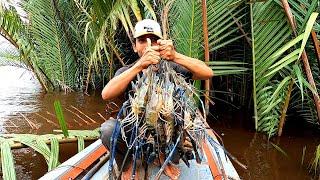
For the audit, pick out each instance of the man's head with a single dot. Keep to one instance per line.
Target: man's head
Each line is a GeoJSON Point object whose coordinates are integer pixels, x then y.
{"type": "Point", "coordinates": [144, 29]}
{"type": "Point", "coordinates": [147, 26]}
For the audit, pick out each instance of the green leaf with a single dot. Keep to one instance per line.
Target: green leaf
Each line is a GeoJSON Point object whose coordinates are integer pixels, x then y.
{"type": "Point", "coordinates": [227, 72]}
{"type": "Point", "coordinates": [280, 86]}
{"type": "Point", "coordinates": [213, 62]}
{"type": "Point", "coordinates": [284, 64]}
{"type": "Point", "coordinates": [299, 75]}
{"type": "Point", "coordinates": [60, 117]}
{"type": "Point", "coordinates": [149, 7]}
{"type": "Point", "coordinates": [284, 59]}
{"type": "Point", "coordinates": [136, 10]}
{"type": "Point", "coordinates": [80, 143]}
{"type": "Point", "coordinates": [307, 31]}
{"type": "Point", "coordinates": [306, 83]}
{"type": "Point", "coordinates": [7, 162]}
{"type": "Point", "coordinates": [311, 8]}
{"type": "Point", "coordinates": [54, 154]}
{"type": "Point", "coordinates": [286, 47]}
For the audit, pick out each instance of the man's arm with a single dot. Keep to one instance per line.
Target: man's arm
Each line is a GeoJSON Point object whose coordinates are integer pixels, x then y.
{"type": "Point", "coordinates": [118, 85]}
{"type": "Point", "coordinates": [198, 68]}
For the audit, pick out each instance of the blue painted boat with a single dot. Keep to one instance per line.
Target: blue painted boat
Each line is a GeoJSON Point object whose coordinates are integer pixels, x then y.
{"type": "Point", "coordinates": [93, 161]}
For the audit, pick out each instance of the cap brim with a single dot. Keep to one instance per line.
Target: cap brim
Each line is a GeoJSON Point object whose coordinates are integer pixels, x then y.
{"type": "Point", "coordinates": [144, 33]}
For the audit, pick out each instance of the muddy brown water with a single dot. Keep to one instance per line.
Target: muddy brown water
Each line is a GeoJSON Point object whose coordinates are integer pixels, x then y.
{"type": "Point", "coordinates": [21, 97]}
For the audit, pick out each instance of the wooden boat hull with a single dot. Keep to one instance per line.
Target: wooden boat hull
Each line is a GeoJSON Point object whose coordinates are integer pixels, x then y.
{"type": "Point", "coordinates": [92, 163]}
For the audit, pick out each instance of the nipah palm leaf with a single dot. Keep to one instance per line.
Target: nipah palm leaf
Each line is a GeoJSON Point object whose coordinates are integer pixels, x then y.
{"type": "Point", "coordinates": [54, 55]}
{"type": "Point", "coordinates": [301, 10]}
{"type": "Point", "coordinates": [223, 17]}
{"type": "Point", "coordinates": [186, 27]}
{"type": "Point", "coordinates": [227, 67]}
{"type": "Point", "coordinates": [270, 59]}
{"type": "Point", "coordinates": [7, 162]}
{"type": "Point", "coordinates": [39, 144]}
{"type": "Point", "coordinates": [54, 154]}
{"type": "Point", "coordinates": [60, 117]}
{"type": "Point", "coordinates": [14, 30]}
{"type": "Point", "coordinates": [10, 24]}
{"type": "Point", "coordinates": [100, 33]}
{"type": "Point", "coordinates": [80, 143]}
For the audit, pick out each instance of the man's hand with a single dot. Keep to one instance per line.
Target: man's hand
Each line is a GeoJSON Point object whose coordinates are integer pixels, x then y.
{"type": "Point", "coordinates": [167, 50]}
{"type": "Point", "coordinates": [151, 55]}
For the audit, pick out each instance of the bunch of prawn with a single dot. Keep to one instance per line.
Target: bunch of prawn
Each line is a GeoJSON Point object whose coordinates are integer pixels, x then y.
{"type": "Point", "coordinates": [161, 115]}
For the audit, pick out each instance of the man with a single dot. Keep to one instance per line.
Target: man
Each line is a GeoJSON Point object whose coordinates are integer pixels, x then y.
{"type": "Point", "coordinates": [151, 48]}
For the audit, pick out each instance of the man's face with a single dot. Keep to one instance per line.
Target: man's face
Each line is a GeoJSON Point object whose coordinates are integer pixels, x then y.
{"type": "Point", "coordinates": [141, 43]}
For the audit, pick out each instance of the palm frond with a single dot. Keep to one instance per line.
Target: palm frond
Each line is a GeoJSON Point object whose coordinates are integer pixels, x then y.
{"type": "Point", "coordinates": [10, 24]}
{"type": "Point", "coordinates": [223, 18]}
{"type": "Point", "coordinates": [186, 27]}
{"type": "Point", "coordinates": [39, 144]}
{"type": "Point", "coordinates": [271, 61]}
{"type": "Point", "coordinates": [7, 162]}
{"type": "Point", "coordinates": [60, 117]}
{"type": "Point", "coordinates": [80, 143]}
{"type": "Point", "coordinates": [99, 35]}
{"type": "Point", "coordinates": [302, 9]}
{"type": "Point", "coordinates": [221, 68]}
{"type": "Point", "coordinates": [13, 29]}
{"type": "Point", "coordinates": [9, 56]}
{"type": "Point", "coordinates": [54, 154]}
{"type": "Point", "coordinates": [54, 55]}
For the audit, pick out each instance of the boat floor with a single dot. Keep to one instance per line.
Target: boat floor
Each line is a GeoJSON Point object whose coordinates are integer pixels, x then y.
{"type": "Point", "coordinates": [214, 164]}
{"type": "Point", "coordinates": [195, 172]}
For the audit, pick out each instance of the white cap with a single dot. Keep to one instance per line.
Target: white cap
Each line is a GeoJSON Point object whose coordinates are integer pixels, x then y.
{"type": "Point", "coordinates": [147, 26]}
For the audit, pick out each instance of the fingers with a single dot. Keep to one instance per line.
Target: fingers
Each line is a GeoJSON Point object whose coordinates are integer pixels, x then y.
{"type": "Point", "coordinates": [150, 56]}
{"type": "Point", "coordinates": [152, 50]}
{"type": "Point", "coordinates": [154, 59]}
{"type": "Point", "coordinates": [165, 42]}
{"type": "Point", "coordinates": [167, 50]}
{"type": "Point", "coordinates": [164, 49]}
{"type": "Point", "coordinates": [155, 48]}
{"type": "Point", "coordinates": [150, 47]}
{"type": "Point", "coordinates": [149, 42]}
{"type": "Point", "coordinates": [166, 45]}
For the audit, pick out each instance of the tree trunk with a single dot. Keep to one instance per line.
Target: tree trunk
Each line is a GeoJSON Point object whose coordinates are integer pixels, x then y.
{"type": "Point", "coordinates": [206, 51]}
{"type": "Point", "coordinates": [316, 46]}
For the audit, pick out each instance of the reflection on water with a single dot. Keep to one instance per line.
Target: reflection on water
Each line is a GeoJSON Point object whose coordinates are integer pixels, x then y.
{"type": "Point", "coordinates": [263, 160]}
{"type": "Point", "coordinates": [18, 94]}
{"type": "Point", "coordinates": [22, 103]}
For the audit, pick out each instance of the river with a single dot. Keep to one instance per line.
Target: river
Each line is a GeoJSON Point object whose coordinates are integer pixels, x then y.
{"type": "Point", "coordinates": [22, 100]}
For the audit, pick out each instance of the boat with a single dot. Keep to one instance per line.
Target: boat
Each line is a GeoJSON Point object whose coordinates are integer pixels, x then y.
{"type": "Point", "coordinates": [93, 162]}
